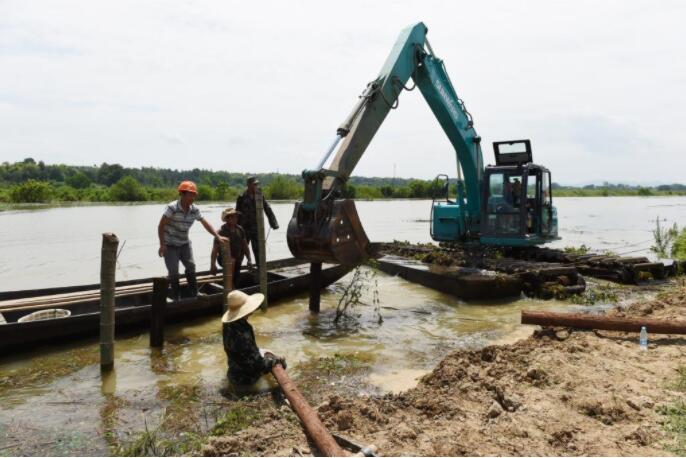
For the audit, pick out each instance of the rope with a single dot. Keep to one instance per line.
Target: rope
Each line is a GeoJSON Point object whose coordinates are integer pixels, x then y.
{"type": "Point", "coordinates": [396, 80]}
{"type": "Point", "coordinates": [120, 250]}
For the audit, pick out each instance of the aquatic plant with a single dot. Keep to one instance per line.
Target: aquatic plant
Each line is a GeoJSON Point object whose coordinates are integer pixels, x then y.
{"type": "Point", "coordinates": [364, 277]}
{"type": "Point", "coordinates": [664, 238]}
{"type": "Point", "coordinates": [679, 246]}
{"type": "Point", "coordinates": [579, 250]}
{"type": "Point", "coordinates": [604, 294]}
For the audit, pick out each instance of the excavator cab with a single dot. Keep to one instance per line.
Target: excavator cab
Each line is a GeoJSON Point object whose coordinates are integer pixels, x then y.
{"type": "Point", "coordinates": [517, 207]}
{"type": "Point", "coordinates": [328, 228]}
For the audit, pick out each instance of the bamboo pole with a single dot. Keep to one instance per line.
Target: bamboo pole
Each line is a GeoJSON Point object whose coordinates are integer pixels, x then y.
{"type": "Point", "coordinates": [108, 265]}
{"type": "Point", "coordinates": [584, 321]}
{"type": "Point", "coordinates": [157, 311]}
{"type": "Point", "coordinates": [311, 422]}
{"type": "Point", "coordinates": [227, 273]}
{"type": "Point", "coordinates": [262, 262]}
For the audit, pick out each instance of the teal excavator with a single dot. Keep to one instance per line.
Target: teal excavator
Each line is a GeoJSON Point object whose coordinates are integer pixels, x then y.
{"type": "Point", "coordinates": [506, 204]}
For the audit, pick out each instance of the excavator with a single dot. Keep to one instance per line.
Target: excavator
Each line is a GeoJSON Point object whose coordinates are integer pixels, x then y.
{"type": "Point", "coordinates": [508, 204]}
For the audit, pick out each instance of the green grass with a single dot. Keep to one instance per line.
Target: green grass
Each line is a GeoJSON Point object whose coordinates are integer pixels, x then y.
{"type": "Point", "coordinates": [675, 416]}
{"type": "Point", "coordinates": [182, 435]}
{"type": "Point", "coordinates": [341, 364]}
{"type": "Point", "coordinates": [236, 419]}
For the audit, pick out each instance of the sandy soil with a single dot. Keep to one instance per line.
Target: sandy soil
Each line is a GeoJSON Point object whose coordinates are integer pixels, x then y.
{"type": "Point", "coordinates": [557, 392]}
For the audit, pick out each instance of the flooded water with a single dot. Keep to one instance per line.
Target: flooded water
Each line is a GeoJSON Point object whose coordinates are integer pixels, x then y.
{"type": "Point", "coordinates": [64, 402]}
{"type": "Point", "coordinates": [61, 246]}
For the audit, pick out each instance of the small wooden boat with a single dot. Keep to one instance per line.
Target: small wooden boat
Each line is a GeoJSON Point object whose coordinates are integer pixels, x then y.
{"type": "Point", "coordinates": [286, 278]}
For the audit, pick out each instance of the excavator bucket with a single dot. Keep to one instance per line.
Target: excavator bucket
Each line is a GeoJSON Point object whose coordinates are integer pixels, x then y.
{"type": "Point", "coordinates": [331, 233]}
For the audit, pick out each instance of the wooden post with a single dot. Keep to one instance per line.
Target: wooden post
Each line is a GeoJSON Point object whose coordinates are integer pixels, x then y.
{"type": "Point", "coordinates": [313, 426]}
{"type": "Point", "coordinates": [108, 266]}
{"type": "Point", "coordinates": [262, 262]}
{"type": "Point", "coordinates": [157, 311]}
{"type": "Point", "coordinates": [227, 273]}
{"type": "Point", "coordinates": [585, 321]}
{"type": "Point", "coordinates": [315, 286]}
{"type": "Point", "coordinates": [108, 382]}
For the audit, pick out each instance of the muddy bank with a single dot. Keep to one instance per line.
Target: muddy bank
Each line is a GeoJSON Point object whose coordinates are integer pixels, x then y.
{"type": "Point", "coordinates": [557, 392]}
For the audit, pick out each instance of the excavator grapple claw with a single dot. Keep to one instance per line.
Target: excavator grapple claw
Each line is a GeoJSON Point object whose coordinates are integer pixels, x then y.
{"type": "Point", "coordinates": [330, 233]}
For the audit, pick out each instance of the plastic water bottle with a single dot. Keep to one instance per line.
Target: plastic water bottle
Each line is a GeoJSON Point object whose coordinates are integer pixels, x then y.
{"type": "Point", "coordinates": [643, 338]}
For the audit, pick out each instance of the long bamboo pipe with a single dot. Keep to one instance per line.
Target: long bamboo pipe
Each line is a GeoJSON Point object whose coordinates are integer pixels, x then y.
{"type": "Point", "coordinates": [313, 426]}
{"type": "Point", "coordinates": [584, 321]}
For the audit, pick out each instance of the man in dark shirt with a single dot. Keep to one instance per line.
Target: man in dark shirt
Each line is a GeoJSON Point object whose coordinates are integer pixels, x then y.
{"type": "Point", "coordinates": [246, 363]}
{"type": "Point", "coordinates": [245, 204]}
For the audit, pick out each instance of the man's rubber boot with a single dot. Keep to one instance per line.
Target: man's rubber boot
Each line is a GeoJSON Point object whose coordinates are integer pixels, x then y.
{"type": "Point", "coordinates": [192, 284]}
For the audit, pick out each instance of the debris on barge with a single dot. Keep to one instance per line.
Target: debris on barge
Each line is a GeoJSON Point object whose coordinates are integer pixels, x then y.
{"type": "Point", "coordinates": [472, 271]}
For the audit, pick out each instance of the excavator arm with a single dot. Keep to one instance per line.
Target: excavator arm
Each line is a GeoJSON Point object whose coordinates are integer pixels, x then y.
{"type": "Point", "coordinates": [327, 228]}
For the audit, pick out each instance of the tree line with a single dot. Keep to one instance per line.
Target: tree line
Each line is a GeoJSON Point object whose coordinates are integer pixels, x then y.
{"type": "Point", "coordinates": [29, 181]}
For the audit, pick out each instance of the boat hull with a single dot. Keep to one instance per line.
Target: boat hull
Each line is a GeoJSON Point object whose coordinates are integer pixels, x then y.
{"type": "Point", "coordinates": [20, 336]}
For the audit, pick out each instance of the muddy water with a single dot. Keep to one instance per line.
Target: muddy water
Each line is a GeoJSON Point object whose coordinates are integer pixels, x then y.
{"type": "Point", "coordinates": [56, 402]}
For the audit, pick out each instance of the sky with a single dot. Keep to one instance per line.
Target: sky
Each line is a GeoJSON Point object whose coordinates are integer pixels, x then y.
{"type": "Point", "coordinates": [598, 86]}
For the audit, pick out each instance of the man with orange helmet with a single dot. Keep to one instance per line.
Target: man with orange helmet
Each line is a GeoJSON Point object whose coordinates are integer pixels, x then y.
{"type": "Point", "coordinates": [175, 245]}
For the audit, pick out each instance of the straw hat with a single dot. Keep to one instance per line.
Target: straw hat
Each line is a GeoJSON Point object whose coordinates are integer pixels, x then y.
{"type": "Point", "coordinates": [228, 212]}
{"type": "Point", "coordinates": [241, 305]}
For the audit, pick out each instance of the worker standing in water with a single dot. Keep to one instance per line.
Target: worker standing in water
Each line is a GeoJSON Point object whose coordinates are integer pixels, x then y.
{"type": "Point", "coordinates": [248, 214]}
{"type": "Point", "coordinates": [246, 363]}
{"type": "Point", "coordinates": [175, 245]}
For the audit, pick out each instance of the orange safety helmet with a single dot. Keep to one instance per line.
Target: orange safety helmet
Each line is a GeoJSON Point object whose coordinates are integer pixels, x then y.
{"type": "Point", "coordinates": [188, 186]}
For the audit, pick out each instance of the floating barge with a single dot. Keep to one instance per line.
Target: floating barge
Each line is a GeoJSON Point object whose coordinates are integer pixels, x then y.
{"type": "Point", "coordinates": [286, 278]}
{"type": "Point", "coordinates": [463, 282]}
{"type": "Point", "coordinates": [477, 272]}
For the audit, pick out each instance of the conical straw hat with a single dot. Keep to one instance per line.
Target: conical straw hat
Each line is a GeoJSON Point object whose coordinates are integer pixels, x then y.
{"type": "Point", "coordinates": [241, 305]}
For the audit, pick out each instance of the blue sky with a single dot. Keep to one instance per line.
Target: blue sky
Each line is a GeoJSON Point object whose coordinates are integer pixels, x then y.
{"type": "Point", "coordinates": [599, 87]}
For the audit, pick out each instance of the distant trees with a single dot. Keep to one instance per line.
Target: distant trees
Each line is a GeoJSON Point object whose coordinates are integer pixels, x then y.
{"type": "Point", "coordinates": [32, 191]}
{"type": "Point", "coordinates": [32, 181]}
{"type": "Point", "coordinates": [283, 188]}
{"type": "Point", "coordinates": [128, 189]}
{"type": "Point", "coordinates": [79, 180]}
{"type": "Point", "coordinates": [110, 174]}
